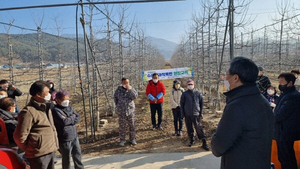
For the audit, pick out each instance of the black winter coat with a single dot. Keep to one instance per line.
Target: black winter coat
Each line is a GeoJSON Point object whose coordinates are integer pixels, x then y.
{"type": "Point", "coordinates": [244, 134]}
{"type": "Point", "coordinates": [287, 116]}
{"type": "Point", "coordinates": [10, 120]}
{"type": "Point", "coordinates": [65, 119]}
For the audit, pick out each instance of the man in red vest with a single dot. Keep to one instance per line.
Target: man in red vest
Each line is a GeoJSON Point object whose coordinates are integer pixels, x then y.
{"type": "Point", "coordinates": [155, 91]}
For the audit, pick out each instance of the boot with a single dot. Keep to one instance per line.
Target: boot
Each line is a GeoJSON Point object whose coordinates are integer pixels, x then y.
{"type": "Point", "coordinates": [204, 145]}
{"type": "Point", "coordinates": [192, 141]}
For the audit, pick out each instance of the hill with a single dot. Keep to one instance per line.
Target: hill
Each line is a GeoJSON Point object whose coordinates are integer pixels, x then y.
{"type": "Point", "coordinates": [166, 48]}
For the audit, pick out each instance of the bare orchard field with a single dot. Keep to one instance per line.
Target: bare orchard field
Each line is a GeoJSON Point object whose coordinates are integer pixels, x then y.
{"type": "Point", "coordinates": [158, 141]}
{"type": "Point", "coordinates": [106, 140]}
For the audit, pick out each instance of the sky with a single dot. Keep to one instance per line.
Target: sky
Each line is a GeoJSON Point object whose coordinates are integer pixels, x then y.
{"type": "Point", "coordinates": [166, 20]}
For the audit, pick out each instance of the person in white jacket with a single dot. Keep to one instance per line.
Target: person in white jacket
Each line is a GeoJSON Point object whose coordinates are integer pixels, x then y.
{"type": "Point", "coordinates": [175, 96]}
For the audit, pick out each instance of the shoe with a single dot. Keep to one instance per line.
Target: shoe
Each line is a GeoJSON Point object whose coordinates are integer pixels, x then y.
{"type": "Point", "coordinates": [191, 143]}
{"type": "Point", "coordinates": [159, 127]}
{"type": "Point", "coordinates": [179, 133]}
{"type": "Point", "coordinates": [175, 134]}
{"type": "Point", "coordinates": [122, 143]}
{"type": "Point", "coordinates": [153, 128]}
{"type": "Point", "coordinates": [205, 147]}
{"type": "Point", "coordinates": [133, 142]}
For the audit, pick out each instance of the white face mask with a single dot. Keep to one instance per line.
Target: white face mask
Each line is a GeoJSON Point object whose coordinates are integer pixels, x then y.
{"type": "Point", "coordinates": [270, 91]}
{"type": "Point", "coordinates": [65, 103]}
{"type": "Point", "coordinates": [155, 80]}
{"type": "Point", "coordinates": [2, 96]}
{"type": "Point", "coordinates": [124, 86]}
{"type": "Point", "coordinates": [190, 87]}
{"type": "Point", "coordinates": [48, 97]}
{"type": "Point", "coordinates": [227, 84]}
{"type": "Point", "coordinates": [177, 86]}
{"type": "Point", "coordinates": [51, 85]}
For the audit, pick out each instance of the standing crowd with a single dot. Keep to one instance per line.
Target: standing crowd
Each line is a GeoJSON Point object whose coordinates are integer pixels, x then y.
{"type": "Point", "coordinates": [46, 124]}
{"type": "Point", "coordinates": [254, 115]}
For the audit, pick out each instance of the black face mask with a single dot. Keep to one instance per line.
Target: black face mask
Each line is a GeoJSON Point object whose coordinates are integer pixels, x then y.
{"type": "Point", "coordinates": [283, 87]}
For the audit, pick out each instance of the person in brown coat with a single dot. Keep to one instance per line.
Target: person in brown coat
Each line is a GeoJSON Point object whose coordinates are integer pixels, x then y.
{"type": "Point", "coordinates": [35, 132]}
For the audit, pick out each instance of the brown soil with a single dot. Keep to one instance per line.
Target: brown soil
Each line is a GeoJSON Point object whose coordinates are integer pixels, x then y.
{"type": "Point", "coordinates": [158, 141]}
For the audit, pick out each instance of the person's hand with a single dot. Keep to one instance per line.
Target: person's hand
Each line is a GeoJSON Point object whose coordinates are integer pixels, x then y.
{"type": "Point", "coordinates": [272, 104]}
{"type": "Point", "coordinates": [155, 100]}
{"type": "Point", "coordinates": [201, 116]}
{"type": "Point", "coordinates": [128, 87]}
{"type": "Point", "coordinates": [13, 87]}
{"type": "Point", "coordinates": [63, 117]}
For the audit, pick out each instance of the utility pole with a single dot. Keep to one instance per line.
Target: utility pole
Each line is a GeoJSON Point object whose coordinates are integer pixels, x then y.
{"type": "Point", "coordinates": [231, 28]}
{"type": "Point", "coordinates": [10, 55]}
{"type": "Point", "coordinates": [41, 70]}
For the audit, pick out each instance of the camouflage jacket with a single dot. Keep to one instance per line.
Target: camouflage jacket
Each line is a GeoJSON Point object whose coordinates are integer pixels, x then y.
{"type": "Point", "coordinates": [124, 100]}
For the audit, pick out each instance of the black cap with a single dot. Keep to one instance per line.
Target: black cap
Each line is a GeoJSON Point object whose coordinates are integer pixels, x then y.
{"type": "Point", "coordinates": [175, 82]}
{"type": "Point", "coordinates": [260, 68]}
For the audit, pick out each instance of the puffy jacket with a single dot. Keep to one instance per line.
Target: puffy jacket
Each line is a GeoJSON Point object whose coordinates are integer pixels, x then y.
{"type": "Point", "coordinates": [35, 132]}
{"type": "Point", "coordinates": [65, 119]}
{"type": "Point", "coordinates": [124, 100]}
{"type": "Point", "coordinates": [191, 103]}
{"type": "Point", "coordinates": [10, 123]}
{"type": "Point", "coordinates": [154, 90]}
{"type": "Point", "coordinates": [175, 96]}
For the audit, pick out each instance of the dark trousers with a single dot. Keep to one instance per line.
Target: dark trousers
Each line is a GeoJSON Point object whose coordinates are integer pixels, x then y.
{"type": "Point", "coordinates": [286, 155]}
{"type": "Point", "coordinates": [126, 120]}
{"type": "Point", "coordinates": [67, 149]}
{"type": "Point", "coordinates": [177, 119]}
{"type": "Point", "coordinates": [154, 108]}
{"type": "Point", "coordinates": [191, 121]}
{"type": "Point", "coordinates": [42, 162]}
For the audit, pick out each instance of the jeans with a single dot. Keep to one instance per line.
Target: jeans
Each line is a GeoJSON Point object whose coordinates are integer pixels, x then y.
{"type": "Point", "coordinates": [69, 148]}
{"type": "Point", "coordinates": [177, 118]}
{"type": "Point", "coordinates": [154, 108]}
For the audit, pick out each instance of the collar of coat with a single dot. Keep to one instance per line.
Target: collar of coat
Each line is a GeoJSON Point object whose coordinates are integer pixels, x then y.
{"type": "Point", "coordinates": [288, 90]}
{"type": "Point", "coordinates": [243, 90]}
{"type": "Point", "coordinates": [38, 105]}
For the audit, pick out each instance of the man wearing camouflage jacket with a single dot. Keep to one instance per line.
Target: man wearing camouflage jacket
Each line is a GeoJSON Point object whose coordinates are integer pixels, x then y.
{"type": "Point", "coordinates": [123, 97]}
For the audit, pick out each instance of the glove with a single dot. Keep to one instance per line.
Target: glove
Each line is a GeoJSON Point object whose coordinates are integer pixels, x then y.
{"type": "Point", "coordinates": [151, 97]}
{"type": "Point", "coordinates": [159, 95]}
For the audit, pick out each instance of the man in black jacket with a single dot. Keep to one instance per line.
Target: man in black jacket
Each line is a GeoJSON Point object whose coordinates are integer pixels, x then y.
{"type": "Point", "coordinates": [244, 134]}
{"type": "Point", "coordinates": [191, 103]}
{"type": "Point", "coordinates": [287, 120]}
{"type": "Point", "coordinates": [65, 119]}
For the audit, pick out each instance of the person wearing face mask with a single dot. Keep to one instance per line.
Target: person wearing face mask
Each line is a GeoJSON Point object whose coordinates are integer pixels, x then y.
{"type": "Point", "coordinates": [124, 99]}
{"type": "Point", "coordinates": [65, 119]}
{"type": "Point", "coordinates": [244, 134]}
{"type": "Point", "coordinates": [296, 72]}
{"type": "Point", "coordinates": [12, 92]}
{"type": "Point", "coordinates": [191, 106]}
{"type": "Point", "coordinates": [7, 113]}
{"type": "Point", "coordinates": [175, 96]}
{"type": "Point", "coordinates": [271, 95]}
{"type": "Point", "coordinates": [287, 120]}
{"type": "Point", "coordinates": [155, 91]}
{"type": "Point", "coordinates": [53, 92]}
{"type": "Point", "coordinates": [35, 132]}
